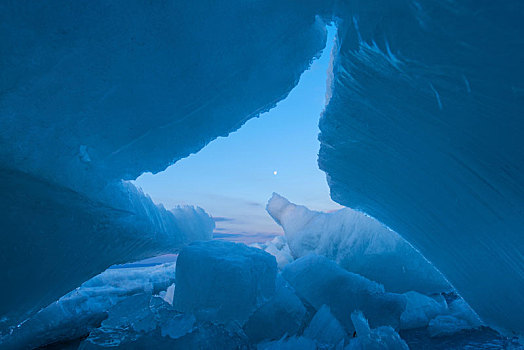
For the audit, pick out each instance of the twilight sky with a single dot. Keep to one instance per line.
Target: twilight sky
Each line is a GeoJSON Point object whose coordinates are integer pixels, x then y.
{"type": "Point", "coordinates": [233, 177]}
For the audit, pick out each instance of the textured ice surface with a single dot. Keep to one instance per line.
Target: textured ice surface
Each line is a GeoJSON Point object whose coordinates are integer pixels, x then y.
{"type": "Point", "coordinates": [293, 343]}
{"type": "Point", "coordinates": [120, 92]}
{"type": "Point", "coordinates": [381, 338]}
{"type": "Point", "coordinates": [325, 329]}
{"type": "Point", "coordinates": [420, 309]}
{"type": "Point", "coordinates": [283, 314]}
{"type": "Point", "coordinates": [279, 248]}
{"type": "Point", "coordinates": [56, 239]}
{"type": "Point", "coordinates": [319, 281]}
{"type": "Point", "coordinates": [223, 281]}
{"type": "Point", "coordinates": [82, 310]}
{"type": "Point", "coordinates": [359, 244]}
{"type": "Point", "coordinates": [154, 324]}
{"type": "Point", "coordinates": [92, 93]}
{"type": "Point", "coordinates": [423, 131]}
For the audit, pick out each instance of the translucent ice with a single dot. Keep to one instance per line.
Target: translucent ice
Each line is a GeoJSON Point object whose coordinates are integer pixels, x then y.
{"type": "Point", "coordinates": [293, 343]}
{"type": "Point", "coordinates": [358, 243]}
{"type": "Point", "coordinates": [420, 309]}
{"type": "Point", "coordinates": [223, 281]}
{"type": "Point", "coordinates": [94, 93]}
{"type": "Point", "coordinates": [279, 248]}
{"type": "Point", "coordinates": [325, 329]}
{"type": "Point", "coordinates": [283, 314]}
{"type": "Point", "coordinates": [56, 239]}
{"type": "Point", "coordinates": [423, 131]}
{"type": "Point", "coordinates": [82, 310]}
{"type": "Point", "coordinates": [319, 281]}
{"type": "Point", "coordinates": [381, 338]}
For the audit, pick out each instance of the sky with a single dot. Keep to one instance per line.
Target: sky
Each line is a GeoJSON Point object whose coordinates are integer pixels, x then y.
{"type": "Point", "coordinates": [233, 177]}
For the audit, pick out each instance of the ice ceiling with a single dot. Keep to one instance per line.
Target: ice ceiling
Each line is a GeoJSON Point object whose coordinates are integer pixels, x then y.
{"type": "Point", "coordinates": [422, 130]}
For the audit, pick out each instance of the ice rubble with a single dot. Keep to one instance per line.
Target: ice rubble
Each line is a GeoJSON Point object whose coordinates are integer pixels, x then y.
{"type": "Point", "coordinates": [381, 338]}
{"type": "Point", "coordinates": [59, 238]}
{"type": "Point", "coordinates": [359, 244]}
{"type": "Point", "coordinates": [230, 296]}
{"type": "Point", "coordinates": [319, 281]}
{"type": "Point", "coordinates": [79, 312]}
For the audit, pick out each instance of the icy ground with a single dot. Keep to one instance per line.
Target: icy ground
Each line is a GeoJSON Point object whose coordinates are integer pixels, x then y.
{"type": "Point", "coordinates": [298, 291]}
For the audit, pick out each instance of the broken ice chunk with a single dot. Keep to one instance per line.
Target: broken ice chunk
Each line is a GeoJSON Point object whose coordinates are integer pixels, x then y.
{"type": "Point", "coordinates": [358, 243]}
{"type": "Point", "coordinates": [319, 281]}
{"type": "Point", "coordinates": [420, 309]}
{"type": "Point", "coordinates": [325, 328]}
{"type": "Point", "coordinates": [223, 281]}
{"type": "Point", "coordinates": [283, 314]}
{"type": "Point", "coordinates": [381, 338]}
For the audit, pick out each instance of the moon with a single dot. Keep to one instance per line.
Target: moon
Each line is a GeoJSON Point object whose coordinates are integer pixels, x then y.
{"type": "Point", "coordinates": [274, 172]}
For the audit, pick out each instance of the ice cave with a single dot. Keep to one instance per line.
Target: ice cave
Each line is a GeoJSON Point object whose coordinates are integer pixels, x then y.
{"type": "Point", "coordinates": [262, 174]}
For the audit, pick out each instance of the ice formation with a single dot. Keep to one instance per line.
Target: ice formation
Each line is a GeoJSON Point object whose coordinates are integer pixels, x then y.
{"type": "Point", "coordinates": [422, 130]}
{"type": "Point", "coordinates": [223, 295]}
{"type": "Point", "coordinates": [94, 93]}
{"type": "Point", "coordinates": [223, 282]}
{"type": "Point", "coordinates": [359, 244]}
{"type": "Point", "coordinates": [325, 329]}
{"type": "Point", "coordinates": [381, 338]}
{"type": "Point", "coordinates": [79, 312]}
{"type": "Point", "coordinates": [56, 239]}
{"type": "Point", "coordinates": [283, 315]}
{"type": "Point", "coordinates": [320, 281]}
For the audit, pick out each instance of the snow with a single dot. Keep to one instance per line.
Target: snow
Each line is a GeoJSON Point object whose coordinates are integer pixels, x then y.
{"type": "Point", "coordinates": [319, 281]}
{"type": "Point", "coordinates": [359, 244]}
{"type": "Point", "coordinates": [279, 248]}
{"type": "Point", "coordinates": [222, 281]}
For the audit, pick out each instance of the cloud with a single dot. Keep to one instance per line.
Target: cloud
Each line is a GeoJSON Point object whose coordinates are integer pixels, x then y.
{"type": "Point", "coordinates": [245, 237]}
{"type": "Point", "coordinates": [222, 219]}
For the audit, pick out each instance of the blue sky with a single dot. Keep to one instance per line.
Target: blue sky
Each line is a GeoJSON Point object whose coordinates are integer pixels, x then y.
{"type": "Point", "coordinates": [233, 177]}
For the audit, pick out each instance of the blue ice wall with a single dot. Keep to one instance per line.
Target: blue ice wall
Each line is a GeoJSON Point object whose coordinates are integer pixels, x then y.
{"type": "Point", "coordinates": [424, 132]}
{"type": "Point", "coordinates": [95, 92]}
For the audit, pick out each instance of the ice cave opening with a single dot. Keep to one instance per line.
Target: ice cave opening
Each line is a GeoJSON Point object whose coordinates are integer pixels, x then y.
{"type": "Point", "coordinates": [233, 177]}
{"type": "Point", "coordinates": [419, 127]}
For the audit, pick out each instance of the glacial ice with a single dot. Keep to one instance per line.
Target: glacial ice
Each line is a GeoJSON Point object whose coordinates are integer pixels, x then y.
{"type": "Point", "coordinates": [319, 281]}
{"type": "Point", "coordinates": [359, 244]}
